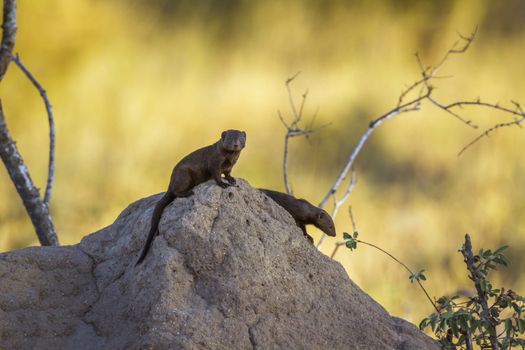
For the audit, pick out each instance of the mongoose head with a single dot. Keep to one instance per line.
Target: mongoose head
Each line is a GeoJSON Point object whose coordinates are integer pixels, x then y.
{"type": "Point", "coordinates": [233, 140]}
{"type": "Point", "coordinates": [325, 223]}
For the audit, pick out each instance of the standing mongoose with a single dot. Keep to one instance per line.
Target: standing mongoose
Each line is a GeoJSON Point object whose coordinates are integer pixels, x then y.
{"type": "Point", "coordinates": [303, 212]}
{"type": "Point", "coordinates": [206, 163]}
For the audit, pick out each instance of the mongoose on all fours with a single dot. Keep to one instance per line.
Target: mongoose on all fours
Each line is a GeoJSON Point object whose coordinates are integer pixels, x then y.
{"type": "Point", "coordinates": [303, 212]}
{"type": "Point", "coordinates": [199, 166]}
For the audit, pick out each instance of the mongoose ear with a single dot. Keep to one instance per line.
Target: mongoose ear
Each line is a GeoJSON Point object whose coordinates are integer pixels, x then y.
{"type": "Point", "coordinates": [223, 135]}
{"type": "Point", "coordinates": [244, 134]}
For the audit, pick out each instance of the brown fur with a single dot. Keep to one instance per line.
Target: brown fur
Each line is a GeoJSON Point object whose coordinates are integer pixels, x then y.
{"type": "Point", "coordinates": [206, 163]}
{"type": "Point", "coordinates": [303, 212]}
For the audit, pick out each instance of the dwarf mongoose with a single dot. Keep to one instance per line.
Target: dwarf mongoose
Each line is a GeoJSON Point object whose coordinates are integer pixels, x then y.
{"type": "Point", "coordinates": [303, 212]}
{"type": "Point", "coordinates": [206, 163]}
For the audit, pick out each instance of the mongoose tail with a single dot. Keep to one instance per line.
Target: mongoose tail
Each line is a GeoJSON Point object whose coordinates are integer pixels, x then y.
{"type": "Point", "coordinates": [155, 219]}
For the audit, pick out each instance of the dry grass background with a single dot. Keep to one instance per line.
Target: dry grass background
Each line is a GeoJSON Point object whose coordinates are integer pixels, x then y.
{"type": "Point", "coordinates": [137, 85]}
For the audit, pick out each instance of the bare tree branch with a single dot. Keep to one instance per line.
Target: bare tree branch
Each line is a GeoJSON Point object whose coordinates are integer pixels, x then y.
{"type": "Point", "coordinates": [410, 106]}
{"type": "Point", "coordinates": [518, 111]}
{"type": "Point", "coordinates": [424, 91]}
{"type": "Point", "coordinates": [8, 35]}
{"type": "Point", "coordinates": [410, 99]}
{"type": "Point", "coordinates": [49, 109]}
{"type": "Point", "coordinates": [293, 129]}
{"type": "Point", "coordinates": [454, 50]}
{"type": "Point", "coordinates": [36, 208]}
{"type": "Point", "coordinates": [429, 73]}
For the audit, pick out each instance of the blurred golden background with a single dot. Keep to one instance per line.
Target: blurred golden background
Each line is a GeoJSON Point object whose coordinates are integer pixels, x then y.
{"type": "Point", "coordinates": [136, 85]}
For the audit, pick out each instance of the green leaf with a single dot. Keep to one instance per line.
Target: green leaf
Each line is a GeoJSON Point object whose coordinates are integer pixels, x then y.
{"type": "Point", "coordinates": [485, 286]}
{"type": "Point", "coordinates": [502, 260]}
{"type": "Point", "coordinates": [442, 325]}
{"type": "Point", "coordinates": [417, 276]}
{"type": "Point", "coordinates": [423, 324]}
{"type": "Point", "coordinates": [350, 242]}
{"type": "Point", "coordinates": [508, 324]}
{"type": "Point", "coordinates": [521, 325]}
{"type": "Point", "coordinates": [463, 322]}
{"type": "Point", "coordinates": [454, 326]}
{"type": "Point", "coordinates": [516, 307]}
{"type": "Point", "coordinates": [442, 300]}
{"type": "Point", "coordinates": [500, 249]}
{"type": "Point", "coordinates": [473, 325]}
{"type": "Point", "coordinates": [355, 234]}
{"type": "Point", "coordinates": [433, 321]}
{"type": "Point", "coordinates": [448, 314]}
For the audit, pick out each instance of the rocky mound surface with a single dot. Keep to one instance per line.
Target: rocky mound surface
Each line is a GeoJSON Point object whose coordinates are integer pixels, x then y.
{"type": "Point", "coordinates": [229, 270]}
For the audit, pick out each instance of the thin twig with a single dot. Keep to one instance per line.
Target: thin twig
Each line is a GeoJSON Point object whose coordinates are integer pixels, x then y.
{"type": "Point", "coordinates": [398, 261]}
{"type": "Point", "coordinates": [293, 129]}
{"type": "Point", "coordinates": [297, 116]}
{"type": "Point", "coordinates": [303, 100]}
{"type": "Point", "coordinates": [336, 248]}
{"type": "Point", "coordinates": [406, 268]}
{"type": "Point", "coordinates": [339, 202]}
{"type": "Point", "coordinates": [449, 111]}
{"type": "Point", "coordinates": [478, 102]}
{"type": "Point", "coordinates": [486, 133]}
{"type": "Point", "coordinates": [49, 109]}
{"type": "Point", "coordinates": [429, 73]}
{"type": "Point", "coordinates": [351, 214]}
{"type": "Point", "coordinates": [454, 50]}
{"type": "Point", "coordinates": [518, 111]}
{"type": "Point", "coordinates": [354, 227]}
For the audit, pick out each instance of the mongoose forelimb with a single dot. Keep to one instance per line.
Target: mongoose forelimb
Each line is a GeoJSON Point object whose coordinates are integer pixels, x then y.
{"type": "Point", "coordinates": [204, 164]}
{"type": "Point", "coordinates": [303, 212]}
